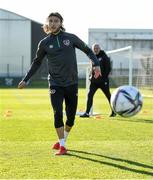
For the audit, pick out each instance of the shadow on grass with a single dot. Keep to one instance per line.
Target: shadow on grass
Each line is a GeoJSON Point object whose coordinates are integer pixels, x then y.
{"type": "Point", "coordinates": [119, 118]}
{"type": "Point", "coordinates": [79, 154]}
{"type": "Point", "coordinates": [135, 120]}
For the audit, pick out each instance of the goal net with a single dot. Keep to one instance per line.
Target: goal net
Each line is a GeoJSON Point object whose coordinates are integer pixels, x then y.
{"type": "Point", "coordinates": [132, 67]}
{"type": "Point", "coordinates": [143, 74]}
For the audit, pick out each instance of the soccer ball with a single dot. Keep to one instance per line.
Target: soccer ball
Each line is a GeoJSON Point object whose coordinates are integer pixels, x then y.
{"type": "Point", "coordinates": [126, 101]}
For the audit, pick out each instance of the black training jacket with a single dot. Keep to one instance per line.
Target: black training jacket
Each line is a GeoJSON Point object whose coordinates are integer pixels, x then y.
{"type": "Point", "coordinates": [105, 67]}
{"type": "Point", "coordinates": [61, 57]}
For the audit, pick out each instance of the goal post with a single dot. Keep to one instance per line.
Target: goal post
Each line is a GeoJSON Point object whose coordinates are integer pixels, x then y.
{"type": "Point", "coordinates": [121, 62]}
{"type": "Point", "coordinates": [129, 55]}
{"type": "Point", "coordinates": [115, 55]}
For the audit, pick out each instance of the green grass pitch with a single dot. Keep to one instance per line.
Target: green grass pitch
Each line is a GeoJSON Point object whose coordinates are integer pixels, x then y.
{"type": "Point", "coordinates": [99, 147]}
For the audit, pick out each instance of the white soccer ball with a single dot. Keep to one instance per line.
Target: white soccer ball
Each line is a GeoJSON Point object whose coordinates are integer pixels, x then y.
{"type": "Point", "coordinates": [126, 101]}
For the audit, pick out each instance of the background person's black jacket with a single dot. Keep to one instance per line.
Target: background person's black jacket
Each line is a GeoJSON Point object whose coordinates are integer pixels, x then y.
{"type": "Point", "coordinates": [105, 67]}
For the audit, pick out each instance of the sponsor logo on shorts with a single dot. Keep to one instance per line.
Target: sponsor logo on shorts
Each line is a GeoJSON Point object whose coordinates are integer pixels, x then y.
{"type": "Point", "coordinates": [51, 46]}
{"type": "Point", "coordinates": [52, 91]}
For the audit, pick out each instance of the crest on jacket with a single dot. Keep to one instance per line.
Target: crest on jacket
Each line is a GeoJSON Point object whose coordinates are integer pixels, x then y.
{"type": "Point", "coordinates": [66, 42]}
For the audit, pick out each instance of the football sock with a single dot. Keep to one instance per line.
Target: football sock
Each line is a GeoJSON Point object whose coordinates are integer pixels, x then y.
{"type": "Point", "coordinates": [65, 135]}
{"type": "Point", "coordinates": [62, 142]}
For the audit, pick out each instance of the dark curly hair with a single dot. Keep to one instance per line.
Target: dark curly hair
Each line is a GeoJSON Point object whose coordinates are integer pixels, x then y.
{"type": "Point", "coordinates": [46, 27]}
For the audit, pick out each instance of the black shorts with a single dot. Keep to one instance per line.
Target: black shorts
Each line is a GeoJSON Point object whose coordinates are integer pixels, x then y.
{"type": "Point", "coordinates": [58, 95]}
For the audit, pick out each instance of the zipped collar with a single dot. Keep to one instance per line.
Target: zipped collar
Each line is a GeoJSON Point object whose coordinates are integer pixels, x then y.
{"type": "Point", "coordinates": [57, 33]}
{"type": "Point", "coordinates": [57, 37]}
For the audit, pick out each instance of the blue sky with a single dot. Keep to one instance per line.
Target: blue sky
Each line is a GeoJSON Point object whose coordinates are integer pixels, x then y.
{"type": "Point", "coordinates": [80, 15]}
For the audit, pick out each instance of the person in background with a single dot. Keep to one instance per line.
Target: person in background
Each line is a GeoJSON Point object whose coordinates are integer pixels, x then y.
{"type": "Point", "coordinates": [59, 47]}
{"type": "Point", "coordinates": [102, 82]}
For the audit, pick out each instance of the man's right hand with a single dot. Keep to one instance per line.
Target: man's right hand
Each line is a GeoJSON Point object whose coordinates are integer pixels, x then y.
{"type": "Point", "coordinates": [21, 84]}
{"type": "Point", "coordinates": [97, 72]}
